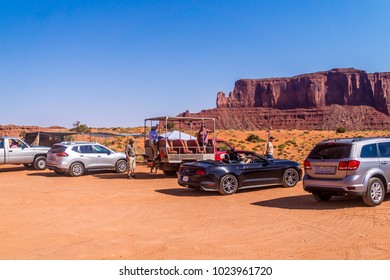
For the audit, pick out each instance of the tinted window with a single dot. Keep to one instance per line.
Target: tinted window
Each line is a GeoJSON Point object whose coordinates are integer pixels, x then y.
{"type": "Point", "coordinates": [330, 151]}
{"type": "Point", "coordinates": [87, 149]}
{"type": "Point", "coordinates": [1, 143]}
{"type": "Point", "coordinates": [75, 149]}
{"type": "Point", "coordinates": [384, 149]}
{"type": "Point", "coordinates": [369, 151]}
{"type": "Point", "coordinates": [57, 149]}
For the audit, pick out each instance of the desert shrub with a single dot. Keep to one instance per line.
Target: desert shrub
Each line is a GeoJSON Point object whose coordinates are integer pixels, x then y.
{"type": "Point", "coordinates": [341, 130]}
{"type": "Point", "coordinates": [254, 138]}
{"type": "Point", "coordinates": [290, 142]}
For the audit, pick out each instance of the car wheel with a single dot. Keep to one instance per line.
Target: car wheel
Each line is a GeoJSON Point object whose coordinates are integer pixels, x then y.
{"type": "Point", "coordinates": [375, 192]}
{"type": "Point", "coordinates": [228, 184]}
{"type": "Point", "coordinates": [40, 163]}
{"type": "Point", "coordinates": [290, 177]}
{"type": "Point", "coordinates": [319, 196]}
{"type": "Point", "coordinates": [121, 166]}
{"type": "Point", "coordinates": [76, 169]}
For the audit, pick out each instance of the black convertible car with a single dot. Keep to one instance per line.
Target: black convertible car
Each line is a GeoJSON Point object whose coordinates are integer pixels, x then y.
{"type": "Point", "coordinates": [244, 170]}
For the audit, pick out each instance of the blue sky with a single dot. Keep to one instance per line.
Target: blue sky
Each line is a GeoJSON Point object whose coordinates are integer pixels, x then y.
{"type": "Point", "coordinates": [114, 63]}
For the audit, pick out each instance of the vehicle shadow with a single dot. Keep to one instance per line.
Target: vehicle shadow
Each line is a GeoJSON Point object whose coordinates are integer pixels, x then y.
{"type": "Point", "coordinates": [307, 202]}
{"type": "Point", "coordinates": [45, 174]}
{"type": "Point", "coordinates": [13, 169]}
{"type": "Point", "coordinates": [185, 192]}
{"type": "Point", "coordinates": [138, 175]}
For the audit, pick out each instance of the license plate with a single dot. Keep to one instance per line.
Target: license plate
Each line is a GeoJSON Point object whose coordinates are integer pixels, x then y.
{"type": "Point", "coordinates": [326, 170]}
{"type": "Point", "coordinates": [185, 178]}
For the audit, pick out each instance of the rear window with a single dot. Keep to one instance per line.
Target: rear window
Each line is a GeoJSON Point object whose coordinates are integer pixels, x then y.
{"type": "Point", "coordinates": [57, 149]}
{"type": "Point", "coordinates": [330, 151]}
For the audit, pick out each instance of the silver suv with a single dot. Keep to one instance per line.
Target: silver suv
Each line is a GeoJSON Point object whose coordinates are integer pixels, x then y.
{"type": "Point", "coordinates": [77, 157]}
{"type": "Point", "coordinates": [358, 167]}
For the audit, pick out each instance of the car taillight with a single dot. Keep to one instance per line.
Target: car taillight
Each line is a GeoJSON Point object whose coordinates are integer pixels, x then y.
{"type": "Point", "coordinates": [349, 165]}
{"type": "Point", "coordinates": [307, 164]}
{"type": "Point", "coordinates": [62, 154]}
{"type": "Point", "coordinates": [200, 172]}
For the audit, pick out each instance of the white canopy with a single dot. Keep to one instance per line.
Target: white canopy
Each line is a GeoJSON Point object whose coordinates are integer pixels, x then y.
{"type": "Point", "coordinates": [175, 134]}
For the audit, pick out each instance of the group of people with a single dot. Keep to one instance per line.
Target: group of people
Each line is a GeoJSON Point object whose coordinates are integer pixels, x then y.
{"type": "Point", "coordinates": [202, 138]}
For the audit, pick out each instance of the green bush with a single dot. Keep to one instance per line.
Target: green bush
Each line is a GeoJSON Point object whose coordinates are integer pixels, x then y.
{"type": "Point", "coordinates": [341, 130]}
{"type": "Point", "coordinates": [254, 138]}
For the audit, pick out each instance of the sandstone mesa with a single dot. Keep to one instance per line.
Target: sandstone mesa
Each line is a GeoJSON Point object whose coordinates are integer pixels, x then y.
{"type": "Point", "coordinates": [341, 97]}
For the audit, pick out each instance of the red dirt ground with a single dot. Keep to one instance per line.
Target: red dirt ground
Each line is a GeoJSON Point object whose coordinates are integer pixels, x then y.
{"type": "Point", "coordinates": [106, 216]}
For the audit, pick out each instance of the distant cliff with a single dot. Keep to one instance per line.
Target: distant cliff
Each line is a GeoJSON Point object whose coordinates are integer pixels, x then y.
{"type": "Point", "coordinates": [337, 86]}
{"type": "Point", "coordinates": [323, 100]}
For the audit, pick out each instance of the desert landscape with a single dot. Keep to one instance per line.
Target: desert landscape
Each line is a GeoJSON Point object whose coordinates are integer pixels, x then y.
{"type": "Point", "coordinates": [103, 215]}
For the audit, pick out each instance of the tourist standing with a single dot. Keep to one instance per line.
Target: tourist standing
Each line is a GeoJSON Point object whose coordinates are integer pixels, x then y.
{"type": "Point", "coordinates": [130, 156]}
{"type": "Point", "coordinates": [269, 148]}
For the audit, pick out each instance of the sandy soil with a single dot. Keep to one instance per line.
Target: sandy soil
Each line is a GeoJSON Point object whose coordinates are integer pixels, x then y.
{"type": "Point", "coordinates": [106, 216]}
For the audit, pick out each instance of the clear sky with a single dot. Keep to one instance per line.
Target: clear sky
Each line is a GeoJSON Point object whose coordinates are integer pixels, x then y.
{"type": "Point", "coordinates": [114, 63]}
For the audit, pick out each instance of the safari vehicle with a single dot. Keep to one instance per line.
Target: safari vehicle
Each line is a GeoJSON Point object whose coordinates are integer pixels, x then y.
{"type": "Point", "coordinates": [177, 142]}
{"type": "Point", "coordinates": [15, 151]}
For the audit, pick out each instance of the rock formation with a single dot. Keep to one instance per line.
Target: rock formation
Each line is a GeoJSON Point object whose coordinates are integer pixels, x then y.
{"type": "Point", "coordinates": [344, 97]}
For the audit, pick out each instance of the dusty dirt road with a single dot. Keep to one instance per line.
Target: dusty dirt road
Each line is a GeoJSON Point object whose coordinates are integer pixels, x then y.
{"type": "Point", "coordinates": [106, 216]}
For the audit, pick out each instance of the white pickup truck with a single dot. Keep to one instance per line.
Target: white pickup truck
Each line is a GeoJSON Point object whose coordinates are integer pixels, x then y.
{"type": "Point", "coordinates": [15, 151]}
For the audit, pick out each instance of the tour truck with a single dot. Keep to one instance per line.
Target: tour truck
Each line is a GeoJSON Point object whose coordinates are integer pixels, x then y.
{"type": "Point", "coordinates": [177, 142]}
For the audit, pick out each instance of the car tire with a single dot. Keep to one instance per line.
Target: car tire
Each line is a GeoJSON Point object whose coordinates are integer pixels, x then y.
{"type": "Point", "coordinates": [290, 178]}
{"type": "Point", "coordinates": [121, 166]}
{"type": "Point", "coordinates": [76, 169]}
{"type": "Point", "coordinates": [228, 185]}
{"type": "Point", "coordinates": [375, 193]}
{"type": "Point", "coordinates": [320, 196]}
{"type": "Point", "coordinates": [40, 163]}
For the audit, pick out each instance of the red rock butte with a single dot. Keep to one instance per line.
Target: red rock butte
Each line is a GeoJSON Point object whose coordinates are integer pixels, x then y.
{"type": "Point", "coordinates": [342, 97]}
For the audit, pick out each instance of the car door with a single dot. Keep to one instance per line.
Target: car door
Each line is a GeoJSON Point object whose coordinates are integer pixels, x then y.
{"type": "Point", "coordinates": [19, 152]}
{"type": "Point", "coordinates": [88, 156]}
{"type": "Point", "coordinates": [2, 151]}
{"type": "Point", "coordinates": [104, 157]}
{"type": "Point", "coordinates": [384, 159]}
{"type": "Point", "coordinates": [258, 173]}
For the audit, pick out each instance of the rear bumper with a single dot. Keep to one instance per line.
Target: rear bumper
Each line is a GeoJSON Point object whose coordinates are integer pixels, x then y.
{"type": "Point", "coordinates": [198, 182]}
{"type": "Point", "coordinates": [57, 167]}
{"type": "Point", "coordinates": [350, 185]}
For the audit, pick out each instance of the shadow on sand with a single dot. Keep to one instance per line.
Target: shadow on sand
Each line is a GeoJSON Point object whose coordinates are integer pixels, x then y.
{"type": "Point", "coordinates": [13, 169]}
{"type": "Point", "coordinates": [307, 202]}
{"type": "Point", "coordinates": [185, 192]}
{"type": "Point", "coordinates": [138, 175]}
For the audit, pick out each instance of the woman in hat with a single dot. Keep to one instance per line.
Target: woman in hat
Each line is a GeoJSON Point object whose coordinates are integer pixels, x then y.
{"type": "Point", "coordinates": [130, 156]}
